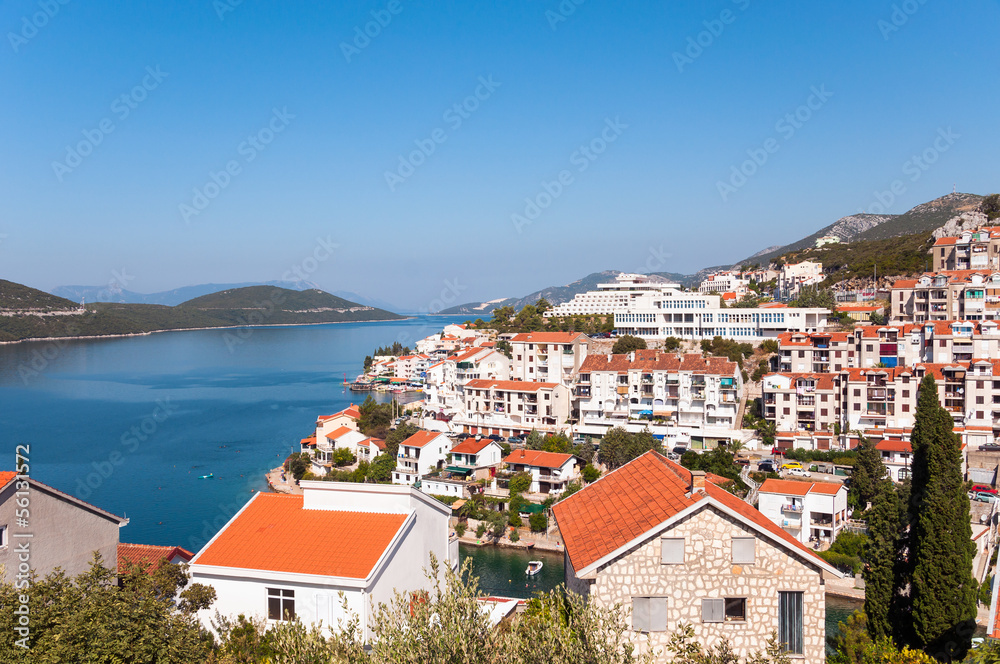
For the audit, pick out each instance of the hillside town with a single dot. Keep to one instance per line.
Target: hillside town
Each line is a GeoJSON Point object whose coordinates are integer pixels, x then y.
{"type": "Point", "coordinates": [718, 460]}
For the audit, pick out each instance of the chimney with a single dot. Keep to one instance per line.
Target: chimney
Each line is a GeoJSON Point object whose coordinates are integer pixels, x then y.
{"type": "Point", "coordinates": [697, 481]}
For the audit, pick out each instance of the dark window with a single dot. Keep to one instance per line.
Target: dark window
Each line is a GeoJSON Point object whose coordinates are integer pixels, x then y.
{"type": "Point", "coordinates": [942, 343]}
{"type": "Point", "coordinates": [802, 353]}
{"type": "Point", "coordinates": [906, 407]}
{"type": "Point", "coordinates": [857, 406]}
{"type": "Point", "coordinates": [980, 399]}
{"type": "Point", "coordinates": [736, 609]}
{"type": "Point", "coordinates": [979, 384]}
{"type": "Point", "coordinates": [280, 604]}
{"type": "Point", "coordinates": [906, 394]}
{"type": "Point", "coordinates": [857, 393]}
{"type": "Point", "coordinates": [822, 412]}
{"type": "Point", "coordinates": [790, 621]}
{"type": "Point", "coordinates": [784, 411]}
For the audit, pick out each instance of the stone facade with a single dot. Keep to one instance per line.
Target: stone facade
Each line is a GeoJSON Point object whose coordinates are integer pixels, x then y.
{"type": "Point", "coordinates": [709, 573]}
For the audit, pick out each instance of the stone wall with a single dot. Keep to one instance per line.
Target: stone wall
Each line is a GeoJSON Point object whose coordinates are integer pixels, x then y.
{"type": "Point", "coordinates": [708, 572]}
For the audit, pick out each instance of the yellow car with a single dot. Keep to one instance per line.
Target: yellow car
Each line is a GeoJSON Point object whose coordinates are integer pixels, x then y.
{"type": "Point", "coordinates": [791, 465]}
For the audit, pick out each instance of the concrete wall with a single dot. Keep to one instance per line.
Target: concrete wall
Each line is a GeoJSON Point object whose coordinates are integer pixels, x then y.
{"type": "Point", "coordinates": [66, 534]}
{"type": "Point", "coordinates": [708, 572]}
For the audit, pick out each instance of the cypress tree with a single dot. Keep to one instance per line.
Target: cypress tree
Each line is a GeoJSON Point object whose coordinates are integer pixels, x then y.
{"type": "Point", "coordinates": [879, 555]}
{"type": "Point", "coordinates": [940, 549]}
{"type": "Point", "coordinates": [868, 472]}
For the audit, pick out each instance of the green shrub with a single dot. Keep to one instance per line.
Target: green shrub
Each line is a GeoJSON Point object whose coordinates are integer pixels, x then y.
{"type": "Point", "coordinates": [480, 530]}
{"type": "Point", "coordinates": [460, 528]}
{"type": "Point", "coordinates": [538, 522]}
{"type": "Point", "coordinates": [590, 473]}
{"type": "Point", "coordinates": [514, 520]}
{"type": "Point", "coordinates": [519, 483]}
{"type": "Point", "coordinates": [514, 535]}
{"type": "Point", "coordinates": [342, 457]}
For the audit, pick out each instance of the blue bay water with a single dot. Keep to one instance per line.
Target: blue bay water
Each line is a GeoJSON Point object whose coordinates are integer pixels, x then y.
{"type": "Point", "coordinates": [130, 424]}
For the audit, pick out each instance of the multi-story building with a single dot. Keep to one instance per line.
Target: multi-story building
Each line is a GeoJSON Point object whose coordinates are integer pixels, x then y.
{"type": "Point", "coordinates": [972, 250]}
{"type": "Point", "coordinates": [802, 401]}
{"type": "Point", "coordinates": [794, 276]}
{"type": "Point", "coordinates": [342, 438]}
{"type": "Point", "coordinates": [725, 282]}
{"type": "Point", "coordinates": [548, 357]}
{"type": "Point", "coordinates": [686, 315]}
{"type": "Point", "coordinates": [660, 541]}
{"type": "Point", "coordinates": [513, 407]}
{"type": "Point", "coordinates": [818, 352]}
{"type": "Point", "coordinates": [947, 295]}
{"type": "Point", "coordinates": [550, 471]}
{"type": "Point", "coordinates": [609, 297]}
{"type": "Point", "coordinates": [418, 455]}
{"type": "Point", "coordinates": [686, 399]}
{"type": "Point", "coordinates": [808, 511]}
{"type": "Point", "coordinates": [445, 379]}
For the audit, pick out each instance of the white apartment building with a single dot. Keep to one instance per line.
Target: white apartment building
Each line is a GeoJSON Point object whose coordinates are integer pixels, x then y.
{"type": "Point", "coordinates": [513, 407]}
{"type": "Point", "coordinates": [609, 297]}
{"type": "Point", "coordinates": [445, 379]}
{"type": "Point", "coordinates": [548, 357]}
{"type": "Point", "coordinates": [725, 282]}
{"type": "Point", "coordinates": [675, 313]}
{"type": "Point", "coordinates": [794, 276]}
{"type": "Point", "coordinates": [419, 454]}
{"type": "Point", "coordinates": [684, 399]}
{"type": "Point", "coordinates": [808, 511]}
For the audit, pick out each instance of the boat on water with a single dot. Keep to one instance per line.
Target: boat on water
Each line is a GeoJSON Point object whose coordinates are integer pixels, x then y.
{"type": "Point", "coordinates": [206, 477]}
{"type": "Point", "coordinates": [361, 387]}
{"type": "Point", "coordinates": [534, 567]}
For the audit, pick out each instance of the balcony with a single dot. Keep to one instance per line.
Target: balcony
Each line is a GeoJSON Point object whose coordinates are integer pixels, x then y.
{"type": "Point", "coordinates": [622, 389]}
{"type": "Point", "coordinates": [791, 509]}
{"type": "Point", "coordinates": [805, 401]}
{"type": "Point", "coordinates": [582, 391]}
{"type": "Point", "coordinates": [876, 394]}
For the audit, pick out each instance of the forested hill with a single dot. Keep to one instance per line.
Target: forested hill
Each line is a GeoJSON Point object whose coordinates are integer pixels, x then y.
{"type": "Point", "coordinates": [27, 313]}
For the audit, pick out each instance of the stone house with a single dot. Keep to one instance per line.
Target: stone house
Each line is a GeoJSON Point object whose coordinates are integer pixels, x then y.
{"type": "Point", "coordinates": [672, 548]}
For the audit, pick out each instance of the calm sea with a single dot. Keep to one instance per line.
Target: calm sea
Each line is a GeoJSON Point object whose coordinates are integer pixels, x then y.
{"type": "Point", "coordinates": [130, 424]}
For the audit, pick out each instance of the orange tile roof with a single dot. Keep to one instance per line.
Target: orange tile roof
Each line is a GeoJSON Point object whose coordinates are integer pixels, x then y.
{"type": "Point", "coordinates": [148, 555]}
{"type": "Point", "coordinates": [630, 501]}
{"type": "Point", "coordinates": [538, 458]}
{"type": "Point", "coordinates": [338, 432]}
{"type": "Point", "coordinates": [509, 385]}
{"type": "Point", "coordinates": [548, 337]}
{"type": "Point", "coordinates": [654, 360]}
{"type": "Point", "coordinates": [945, 240]}
{"type": "Point", "coordinates": [311, 440]}
{"type": "Point", "coordinates": [894, 446]}
{"type": "Point", "coordinates": [6, 476]}
{"type": "Point", "coordinates": [421, 438]}
{"type": "Point", "coordinates": [471, 446]}
{"type": "Point", "coordinates": [828, 488]}
{"type": "Point", "coordinates": [274, 533]}
{"type": "Point", "coordinates": [904, 283]}
{"type": "Point", "coordinates": [377, 442]}
{"type": "Point", "coordinates": [785, 487]}
{"type": "Point", "coordinates": [351, 411]}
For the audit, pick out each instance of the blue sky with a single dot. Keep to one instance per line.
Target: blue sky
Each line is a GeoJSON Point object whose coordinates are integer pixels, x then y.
{"type": "Point", "coordinates": [310, 128]}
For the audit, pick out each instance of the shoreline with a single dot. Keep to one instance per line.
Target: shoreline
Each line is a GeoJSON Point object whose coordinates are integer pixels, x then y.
{"type": "Point", "coordinates": [194, 329]}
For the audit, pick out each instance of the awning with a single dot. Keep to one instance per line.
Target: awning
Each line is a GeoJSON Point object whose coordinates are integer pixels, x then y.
{"type": "Point", "coordinates": [457, 504]}
{"type": "Point", "coordinates": [458, 470]}
{"type": "Point", "coordinates": [531, 508]}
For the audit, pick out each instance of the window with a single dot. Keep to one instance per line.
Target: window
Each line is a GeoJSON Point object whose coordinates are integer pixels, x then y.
{"type": "Point", "coordinates": [736, 609]}
{"type": "Point", "coordinates": [906, 394]}
{"type": "Point", "coordinates": [857, 406]}
{"type": "Point", "coordinates": [672, 550]}
{"type": "Point", "coordinates": [980, 399]}
{"type": "Point", "coordinates": [906, 407]}
{"type": "Point", "coordinates": [280, 604]}
{"type": "Point", "coordinates": [790, 621]}
{"type": "Point", "coordinates": [713, 610]}
{"type": "Point", "coordinates": [649, 614]}
{"type": "Point", "coordinates": [743, 550]}
{"type": "Point", "coordinates": [857, 393]}
{"type": "Point", "coordinates": [3, 536]}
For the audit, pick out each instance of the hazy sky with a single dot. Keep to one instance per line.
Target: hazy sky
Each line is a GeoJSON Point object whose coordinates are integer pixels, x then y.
{"type": "Point", "coordinates": [413, 149]}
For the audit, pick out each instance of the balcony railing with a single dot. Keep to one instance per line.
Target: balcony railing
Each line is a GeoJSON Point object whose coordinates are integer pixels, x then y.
{"type": "Point", "coordinates": [791, 509]}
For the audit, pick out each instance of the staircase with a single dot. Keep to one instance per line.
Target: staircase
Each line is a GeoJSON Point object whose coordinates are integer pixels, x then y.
{"type": "Point", "coordinates": [751, 496]}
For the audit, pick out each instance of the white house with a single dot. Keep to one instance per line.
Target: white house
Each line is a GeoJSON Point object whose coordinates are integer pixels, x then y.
{"type": "Point", "coordinates": [346, 418]}
{"type": "Point", "coordinates": [369, 448]}
{"type": "Point", "coordinates": [339, 439]}
{"type": "Point", "coordinates": [550, 471]}
{"type": "Point", "coordinates": [419, 454]}
{"type": "Point", "coordinates": [808, 511]}
{"type": "Point", "coordinates": [476, 454]}
{"type": "Point", "coordinates": [287, 556]}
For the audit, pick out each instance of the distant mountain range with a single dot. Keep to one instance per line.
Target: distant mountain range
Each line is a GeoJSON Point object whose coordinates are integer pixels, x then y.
{"type": "Point", "coordinates": [852, 228]}
{"type": "Point", "coordinates": [28, 313]}
{"type": "Point", "coordinates": [170, 298]}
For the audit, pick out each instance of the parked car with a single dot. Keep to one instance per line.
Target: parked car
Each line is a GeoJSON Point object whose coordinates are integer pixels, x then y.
{"type": "Point", "coordinates": [777, 451]}
{"type": "Point", "coordinates": [579, 440]}
{"type": "Point", "coordinates": [679, 450]}
{"type": "Point", "coordinates": [990, 447]}
{"type": "Point", "coordinates": [496, 438]}
{"type": "Point", "coordinates": [791, 465]}
{"type": "Point", "coordinates": [983, 488]}
{"type": "Point", "coordinates": [517, 440]}
{"type": "Point", "coordinates": [673, 457]}
{"type": "Point", "coordinates": [766, 466]}
{"type": "Point", "coordinates": [987, 497]}
{"type": "Point", "coordinates": [799, 472]}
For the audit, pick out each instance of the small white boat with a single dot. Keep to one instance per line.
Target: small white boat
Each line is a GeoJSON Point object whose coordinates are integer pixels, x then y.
{"type": "Point", "coordinates": [534, 567]}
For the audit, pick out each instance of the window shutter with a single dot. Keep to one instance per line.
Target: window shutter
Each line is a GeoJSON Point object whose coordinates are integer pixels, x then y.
{"type": "Point", "coordinates": [640, 614]}
{"type": "Point", "coordinates": [743, 550]}
{"type": "Point", "coordinates": [658, 614]}
{"type": "Point", "coordinates": [672, 550]}
{"type": "Point", "coordinates": [712, 610]}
